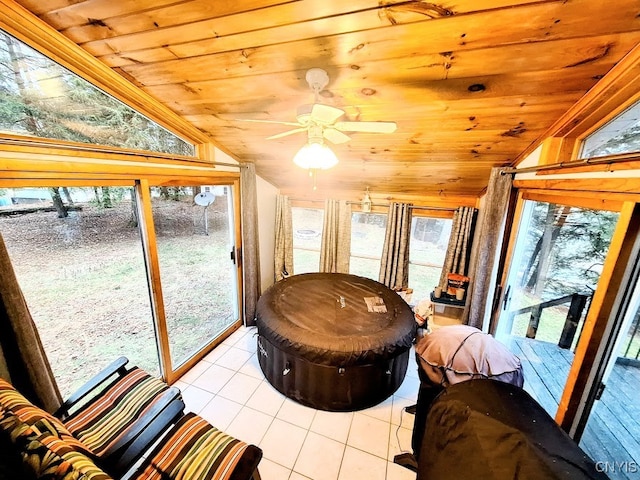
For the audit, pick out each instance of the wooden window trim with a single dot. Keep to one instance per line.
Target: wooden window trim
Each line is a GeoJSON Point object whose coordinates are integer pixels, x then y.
{"type": "Point", "coordinates": [616, 91]}
{"type": "Point", "coordinates": [613, 189]}
{"type": "Point", "coordinates": [13, 142]}
{"type": "Point", "coordinates": [43, 166]}
{"type": "Point", "coordinates": [596, 201]}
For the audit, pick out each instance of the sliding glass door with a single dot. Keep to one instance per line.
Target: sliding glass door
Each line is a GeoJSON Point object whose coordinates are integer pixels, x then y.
{"type": "Point", "coordinates": [82, 272]}
{"type": "Point", "coordinates": [611, 435]}
{"type": "Point", "coordinates": [80, 260]}
{"type": "Point", "coordinates": [195, 237]}
{"type": "Point", "coordinates": [554, 271]}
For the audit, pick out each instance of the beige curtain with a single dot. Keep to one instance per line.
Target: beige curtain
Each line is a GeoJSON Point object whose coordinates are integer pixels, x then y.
{"type": "Point", "coordinates": [489, 237]}
{"type": "Point", "coordinates": [24, 358]}
{"type": "Point", "coordinates": [283, 255]}
{"type": "Point", "coordinates": [459, 249]}
{"type": "Point", "coordinates": [394, 265]}
{"type": "Point", "coordinates": [335, 249]}
{"type": "Point", "coordinates": [250, 243]}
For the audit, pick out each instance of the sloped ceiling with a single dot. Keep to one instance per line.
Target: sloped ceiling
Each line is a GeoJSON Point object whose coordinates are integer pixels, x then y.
{"type": "Point", "coordinates": [470, 83]}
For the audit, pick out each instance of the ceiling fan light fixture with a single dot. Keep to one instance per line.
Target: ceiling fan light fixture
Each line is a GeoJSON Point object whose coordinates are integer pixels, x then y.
{"type": "Point", "coordinates": [315, 156]}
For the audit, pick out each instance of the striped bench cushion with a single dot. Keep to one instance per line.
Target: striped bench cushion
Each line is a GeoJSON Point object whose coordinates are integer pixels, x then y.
{"type": "Point", "coordinates": [195, 450]}
{"type": "Point", "coordinates": [14, 401]}
{"type": "Point", "coordinates": [47, 456]}
{"type": "Point", "coordinates": [101, 423]}
{"type": "Point", "coordinates": [40, 421]}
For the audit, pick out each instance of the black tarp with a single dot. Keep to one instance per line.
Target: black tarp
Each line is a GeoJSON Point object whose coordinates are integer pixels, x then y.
{"type": "Point", "coordinates": [491, 430]}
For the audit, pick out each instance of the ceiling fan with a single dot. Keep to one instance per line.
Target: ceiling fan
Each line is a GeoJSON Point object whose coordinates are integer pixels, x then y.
{"type": "Point", "coordinates": [321, 121]}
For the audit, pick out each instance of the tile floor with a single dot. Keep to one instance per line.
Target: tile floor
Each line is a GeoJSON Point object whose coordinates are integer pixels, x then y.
{"type": "Point", "coordinates": [299, 443]}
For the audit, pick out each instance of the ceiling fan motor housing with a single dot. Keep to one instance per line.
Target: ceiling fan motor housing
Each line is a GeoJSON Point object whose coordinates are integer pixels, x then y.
{"type": "Point", "coordinates": [317, 79]}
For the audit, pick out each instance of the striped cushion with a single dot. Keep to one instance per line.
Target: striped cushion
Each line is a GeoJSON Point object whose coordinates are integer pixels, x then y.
{"type": "Point", "coordinates": [101, 423]}
{"type": "Point", "coordinates": [14, 401]}
{"type": "Point", "coordinates": [17, 431]}
{"type": "Point", "coordinates": [47, 456]}
{"type": "Point", "coordinates": [40, 421]}
{"type": "Point", "coordinates": [77, 461]}
{"type": "Point", "coordinates": [194, 450]}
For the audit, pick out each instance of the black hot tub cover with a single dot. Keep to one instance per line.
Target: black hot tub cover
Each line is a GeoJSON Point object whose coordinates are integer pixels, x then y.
{"type": "Point", "coordinates": [324, 318]}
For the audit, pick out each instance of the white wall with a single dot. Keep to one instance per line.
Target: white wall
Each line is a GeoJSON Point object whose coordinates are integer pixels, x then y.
{"type": "Point", "coordinates": [222, 157]}
{"type": "Point", "coordinates": [266, 230]}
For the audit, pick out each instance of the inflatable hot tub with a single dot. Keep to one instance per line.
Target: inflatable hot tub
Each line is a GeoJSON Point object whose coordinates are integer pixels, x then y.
{"type": "Point", "coordinates": [334, 341]}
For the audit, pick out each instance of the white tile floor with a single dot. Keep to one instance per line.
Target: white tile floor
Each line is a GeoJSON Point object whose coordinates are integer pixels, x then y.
{"type": "Point", "coordinates": [299, 443]}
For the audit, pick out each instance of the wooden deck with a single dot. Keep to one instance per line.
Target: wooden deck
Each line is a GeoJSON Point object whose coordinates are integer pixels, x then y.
{"type": "Point", "coordinates": [613, 432]}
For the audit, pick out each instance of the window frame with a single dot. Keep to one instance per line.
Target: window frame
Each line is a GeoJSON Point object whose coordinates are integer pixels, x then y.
{"type": "Point", "coordinates": [365, 257]}
{"type": "Point", "coordinates": [615, 114]}
{"type": "Point", "coordinates": [52, 70]}
{"type": "Point", "coordinates": [20, 24]}
{"type": "Point", "coordinates": [562, 142]}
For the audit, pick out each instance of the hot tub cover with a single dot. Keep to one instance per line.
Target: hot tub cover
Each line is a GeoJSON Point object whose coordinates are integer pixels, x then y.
{"type": "Point", "coordinates": [324, 318]}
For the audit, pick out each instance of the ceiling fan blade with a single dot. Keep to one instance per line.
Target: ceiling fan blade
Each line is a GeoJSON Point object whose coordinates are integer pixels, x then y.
{"type": "Point", "coordinates": [335, 136]}
{"type": "Point", "coordinates": [288, 132]}
{"type": "Point", "coordinates": [293, 124]}
{"type": "Point", "coordinates": [369, 127]}
{"type": "Point", "coordinates": [325, 113]}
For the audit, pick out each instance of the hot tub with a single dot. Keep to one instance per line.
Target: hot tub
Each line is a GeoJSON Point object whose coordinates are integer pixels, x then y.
{"type": "Point", "coordinates": [319, 343]}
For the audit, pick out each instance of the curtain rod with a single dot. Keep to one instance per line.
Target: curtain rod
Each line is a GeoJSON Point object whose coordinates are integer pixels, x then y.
{"type": "Point", "coordinates": [351, 202]}
{"type": "Point", "coordinates": [624, 157]}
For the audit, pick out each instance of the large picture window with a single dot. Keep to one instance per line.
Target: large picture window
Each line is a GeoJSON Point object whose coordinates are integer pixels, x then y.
{"type": "Point", "coordinates": [83, 277]}
{"type": "Point", "coordinates": [194, 234]}
{"type": "Point", "coordinates": [42, 99]}
{"type": "Point", "coordinates": [427, 251]}
{"type": "Point", "coordinates": [78, 257]}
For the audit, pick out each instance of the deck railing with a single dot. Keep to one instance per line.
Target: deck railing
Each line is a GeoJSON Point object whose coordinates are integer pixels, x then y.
{"type": "Point", "coordinates": [632, 348]}
{"type": "Point", "coordinates": [578, 302]}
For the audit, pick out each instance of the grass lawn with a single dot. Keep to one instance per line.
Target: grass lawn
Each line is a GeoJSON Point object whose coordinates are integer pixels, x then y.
{"type": "Point", "coordinates": [85, 282]}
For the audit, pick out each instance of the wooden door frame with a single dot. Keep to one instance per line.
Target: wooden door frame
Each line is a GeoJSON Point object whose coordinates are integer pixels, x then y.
{"type": "Point", "coordinates": [605, 300]}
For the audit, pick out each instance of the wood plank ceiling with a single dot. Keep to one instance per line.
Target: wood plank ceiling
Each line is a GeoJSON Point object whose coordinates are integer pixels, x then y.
{"type": "Point", "coordinates": [470, 83]}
